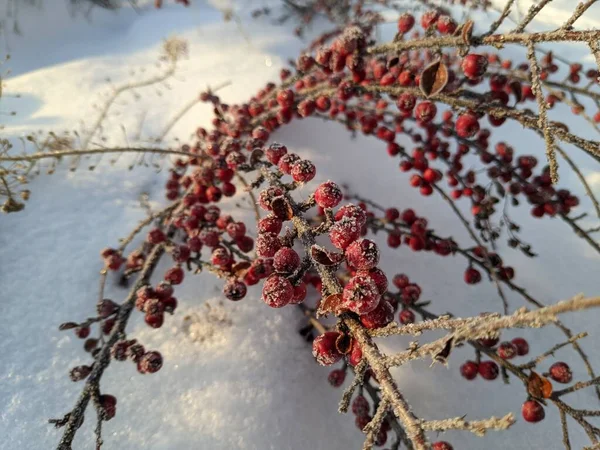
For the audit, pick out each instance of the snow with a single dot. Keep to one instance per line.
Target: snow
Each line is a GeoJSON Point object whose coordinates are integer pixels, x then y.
{"type": "Point", "coordinates": [237, 375]}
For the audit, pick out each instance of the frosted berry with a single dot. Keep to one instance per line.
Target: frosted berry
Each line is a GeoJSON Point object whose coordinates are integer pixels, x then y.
{"type": "Point", "coordinates": [150, 362]}
{"type": "Point", "coordinates": [344, 232]}
{"type": "Point", "coordinates": [362, 254]}
{"type": "Point", "coordinates": [119, 350]}
{"type": "Point", "coordinates": [267, 245]}
{"type": "Point", "coordinates": [267, 195]}
{"type": "Point", "coordinates": [299, 294]}
{"type": "Point", "coordinates": [378, 277]}
{"type": "Point", "coordinates": [446, 25]}
{"type": "Point", "coordinates": [488, 370]}
{"type": "Point", "coordinates": [425, 112]}
{"type": "Point", "coordinates": [181, 253]}
{"type": "Point", "coordinates": [532, 411]}
{"type": "Point", "coordinates": [469, 370]}
{"type": "Point", "coordinates": [336, 377]}
{"type": "Point", "coordinates": [429, 18]}
{"type": "Point", "coordinates": [303, 171]}
{"type": "Point", "coordinates": [209, 238]}
{"type": "Point", "coordinates": [360, 406]}
{"type": "Point", "coordinates": [156, 236]}
{"type": "Point", "coordinates": [353, 212]}
{"type": "Point", "coordinates": [325, 350]}
{"type": "Point", "coordinates": [441, 445]}
{"type": "Point", "coordinates": [79, 373]}
{"type": "Point", "coordinates": [270, 224]}
{"type": "Point", "coordinates": [406, 316]}
{"type": "Point", "coordinates": [221, 257]}
{"type": "Point", "coordinates": [287, 161]}
{"type": "Point", "coordinates": [561, 372]}
{"type": "Point", "coordinates": [234, 290]}
{"type": "Point", "coordinates": [328, 195]}
{"type": "Point", "coordinates": [236, 230]}
{"type": "Point", "coordinates": [286, 260]}
{"type": "Point", "coordinates": [521, 345]}
{"type": "Point", "coordinates": [382, 315]}
{"type": "Point", "coordinates": [405, 23]}
{"type": "Point", "coordinates": [474, 66]}
{"type": "Point", "coordinates": [507, 350]}
{"type": "Point", "coordinates": [361, 295]}
{"type": "Point", "coordinates": [174, 275]}
{"type": "Point", "coordinates": [277, 291]}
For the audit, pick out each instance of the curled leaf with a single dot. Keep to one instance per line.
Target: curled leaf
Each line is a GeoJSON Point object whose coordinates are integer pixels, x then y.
{"type": "Point", "coordinates": [538, 386]}
{"type": "Point", "coordinates": [467, 31]}
{"type": "Point", "coordinates": [324, 257]}
{"type": "Point", "coordinates": [331, 304]}
{"type": "Point", "coordinates": [343, 344]}
{"type": "Point", "coordinates": [433, 78]}
{"type": "Point", "coordinates": [442, 356]}
{"type": "Point", "coordinates": [281, 208]}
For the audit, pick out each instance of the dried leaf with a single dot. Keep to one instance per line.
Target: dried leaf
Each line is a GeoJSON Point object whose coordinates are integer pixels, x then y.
{"type": "Point", "coordinates": [241, 268]}
{"type": "Point", "coordinates": [442, 356]}
{"type": "Point", "coordinates": [433, 78]}
{"type": "Point", "coordinates": [324, 257]}
{"type": "Point", "coordinates": [67, 326]}
{"type": "Point", "coordinates": [515, 87]}
{"type": "Point", "coordinates": [331, 304]}
{"type": "Point", "coordinates": [255, 156]}
{"type": "Point", "coordinates": [393, 62]}
{"type": "Point", "coordinates": [467, 32]}
{"type": "Point", "coordinates": [343, 344]}
{"type": "Point", "coordinates": [538, 386]}
{"type": "Point", "coordinates": [281, 208]}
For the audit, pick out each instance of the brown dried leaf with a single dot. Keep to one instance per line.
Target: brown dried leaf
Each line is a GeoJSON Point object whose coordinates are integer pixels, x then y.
{"type": "Point", "coordinates": [467, 32]}
{"type": "Point", "coordinates": [515, 87]}
{"type": "Point", "coordinates": [343, 344]}
{"type": "Point", "coordinates": [393, 62]}
{"type": "Point", "coordinates": [538, 386]}
{"type": "Point", "coordinates": [331, 304]}
{"type": "Point", "coordinates": [281, 208]}
{"type": "Point", "coordinates": [241, 268]}
{"type": "Point", "coordinates": [433, 78]}
{"type": "Point", "coordinates": [442, 356]}
{"type": "Point", "coordinates": [67, 326]}
{"type": "Point", "coordinates": [256, 155]}
{"type": "Point", "coordinates": [324, 257]}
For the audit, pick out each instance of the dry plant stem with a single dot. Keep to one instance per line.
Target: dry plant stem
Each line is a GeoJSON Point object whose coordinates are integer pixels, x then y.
{"type": "Point", "coordinates": [539, 359]}
{"type": "Point", "coordinates": [95, 151]}
{"type": "Point", "coordinates": [543, 116]}
{"type": "Point", "coordinates": [565, 430]}
{"type": "Point", "coordinates": [103, 359]}
{"type": "Point", "coordinates": [533, 11]}
{"type": "Point", "coordinates": [371, 352]}
{"type": "Point", "coordinates": [581, 8]}
{"type": "Point", "coordinates": [505, 13]}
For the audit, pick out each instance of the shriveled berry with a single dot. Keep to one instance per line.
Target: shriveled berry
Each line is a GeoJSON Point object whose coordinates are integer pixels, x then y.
{"type": "Point", "coordinates": [325, 350]}
{"type": "Point", "coordinates": [561, 372]}
{"type": "Point", "coordinates": [277, 291]}
{"type": "Point", "coordinates": [234, 290]}
{"type": "Point", "coordinates": [106, 307]}
{"type": "Point", "coordinates": [328, 195]}
{"type": "Point", "coordinates": [361, 295]}
{"type": "Point", "coordinates": [150, 362]}
{"type": "Point", "coordinates": [362, 254]}
{"type": "Point", "coordinates": [532, 411]}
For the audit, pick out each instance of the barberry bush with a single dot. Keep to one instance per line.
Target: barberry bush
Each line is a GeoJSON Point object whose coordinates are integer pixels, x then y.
{"type": "Point", "coordinates": [437, 98]}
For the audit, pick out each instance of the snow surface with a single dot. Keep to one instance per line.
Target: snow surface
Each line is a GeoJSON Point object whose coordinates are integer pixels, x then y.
{"type": "Point", "coordinates": [236, 375]}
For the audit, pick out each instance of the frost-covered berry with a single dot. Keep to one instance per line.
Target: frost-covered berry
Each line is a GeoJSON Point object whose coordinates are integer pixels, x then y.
{"type": "Point", "coordinates": [405, 23]}
{"type": "Point", "coordinates": [267, 195]}
{"type": "Point", "coordinates": [286, 260]}
{"type": "Point", "coordinates": [236, 230]}
{"type": "Point", "coordinates": [467, 125]}
{"type": "Point", "coordinates": [353, 212]}
{"type": "Point", "coordinates": [234, 290]}
{"type": "Point", "coordinates": [277, 291]}
{"type": "Point", "coordinates": [382, 315]}
{"type": "Point", "coordinates": [325, 350]}
{"type": "Point", "coordinates": [446, 25]}
{"type": "Point", "coordinates": [474, 66]}
{"type": "Point", "coordinates": [429, 18]}
{"type": "Point", "coordinates": [221, 257]}
{"type": "Point", "coordinates": [267, 244]}
{"type": "Point", "coordinates": [119, 350]}
{"type": "Point", "coordinates": [361, 295]}
{"type": "Point", "coordinates": [507, 350]}
{"type": "Point", "coordinates": [378, 277]}
{"type": "Point", "coordinates": [287, 161]}
{"type": "Point", "coordinates": [303, 171]}
{"type": "Point", "coordinates": [163, 290]}
{"type": "Point", "coordinates": [488, 370]}
{"type": "Point", "coordinates": [275, 150]}
{"type": "Point", "coordinates": [154, 320]}
{"type": "Point", "coordinates": [328, 195]}
{"type": "Point", "coordinates": [362, 254]}
{"type": "Point", "coordinates": [181, 253]}
{"type": "Point", "coordinates": [469, 370]}
{"type": "Point", "coordinates": [441, 445]}
{"type": "Point", "coordinates": [156, 236]}
{"type": "Point", "coordinates": [150, 362]}
{"type": "Point", "coordinates": [522, 346]}
{"type": "Point", "coordinates": [79, 373]}
{"type": "Point", "coordinates": [344, 232]}
{"type": "Point", "coordinates": [270, 224]}
{"type": "Point", "coordinates": [561, 372]}
{"type": "Point", "coordinates": [174, 275]}
{"type": "Point", "coordinates": [400, 280]}
{"type": "Point", "coordinates": [299, 294]}
{"type": "Point", "coordinates": [336, 377]}
{"type": "Point", "coordinates": [532, 411]}
{"type": "Point", "coordinates": [425, 112]}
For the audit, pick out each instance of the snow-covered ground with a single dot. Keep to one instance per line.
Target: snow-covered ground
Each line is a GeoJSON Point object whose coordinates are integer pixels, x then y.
{"type": "Point", "coordinates": [239, 377]}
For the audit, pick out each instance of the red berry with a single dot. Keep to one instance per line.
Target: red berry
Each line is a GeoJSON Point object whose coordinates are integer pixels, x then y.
{"type": "Point", "coordinates": [379, 277]}
{"type": "Point", "coordinates": [406, 316]}
{"type": "Point", "coordinates": [352, 211]}
{"type": "Point", "coordinates": [442, 445]}
{"type": "Point", "coordinates": [406, 102]}
{"type": "Point", "coordinates": [270, 224]}
{"type": "Point", "coordinates": [446, 25]}
{"type": "Point", "coordinates": [507, 350]}
{"type": "Point", "coordinates": [362, 254]}
{"type": "Point", "coordinates": [108, 403]}
{"type": "Point", "coordinates": [400, 281]}
{"type": "Point", "coordinates": [532, 411]}
{"type": "Point", "coordinates": [236, 230]}
{"type": "Point", "coordinates": [174, 275]}
{"type": "Point", "coordinates": [82, 332]}
{"type": "Point", "coordinates": [277, 291]}
{"type": "Point", "coordinates": [379, 317]}
{"type": "Point", "coordinates": [361, 295]}
{"type": "Point", "coordinates": [299, 294]}
{"type": "Point", "coordinates": [467, 125]}
{"type": "Point", "coordinates": [325, 350]}
{"type": "Point", "coordinates": [561, 372]}
{"type": "Point", "coordinates": [286, 260]}
{"type": "Point", "coordinates": [488, 370]}
{"type": "Point", "coordinates": [472, 276]}
{"type": "Point", "coordinates": [328, 195]}
{"type": "Point", "coordinates": [521, 345]}
{"type": "Point", "coordinates": [469, 370]}
{"type": "Point", "coordinates": [336, 377]}
{"type": "Point", "coordinates": [267, 245]}
{"type": "Point", "coordinates": [429, 18]}
{"type": "Point", "coordinates": [150, 362]}
{"type": "Point", "coordinates": [425, 112]}
{"type": "Point", "coordinates": [344, 232]}
{"type": "Point", "coordinates": [286, 162]}
{"type": "Point", "coordinates": [405, 23]}
{"type": "Point", "coordinates": [303, 171]}
{"type": "Point", "coordinates": [155, 320]}
{"type": "Point", "coordinates": [156, 236]}
{"type": "Point", "coordinates": [474, 66]}
{"type": "Point", "coordinates": [360, 406]}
